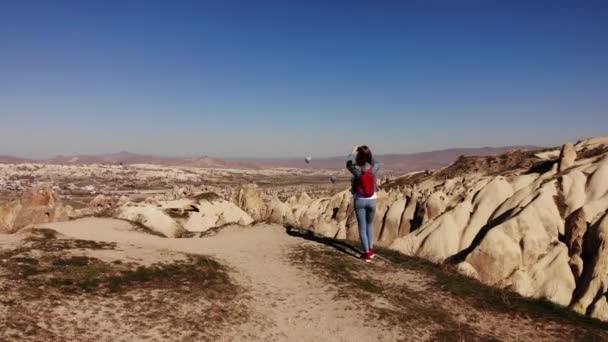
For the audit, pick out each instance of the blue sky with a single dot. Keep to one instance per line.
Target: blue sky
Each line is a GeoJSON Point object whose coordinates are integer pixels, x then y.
{"type": "Point", "coordinates": [292, 78]}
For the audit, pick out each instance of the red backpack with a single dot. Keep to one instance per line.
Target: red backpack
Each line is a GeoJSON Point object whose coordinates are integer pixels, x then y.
{"type": "Point", "coordinates": [367, 182]}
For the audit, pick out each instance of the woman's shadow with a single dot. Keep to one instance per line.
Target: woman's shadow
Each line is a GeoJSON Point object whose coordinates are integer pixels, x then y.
{"type": "Point", "coordinates": [339, 245]}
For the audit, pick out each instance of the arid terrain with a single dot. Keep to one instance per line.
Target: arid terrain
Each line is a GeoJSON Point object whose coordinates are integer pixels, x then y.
{"type": "Point", "coordinates": [489, 248]}
{"type": "Point", "coordinates": [99, 279]}
{"type": "Point", "coordinates": [79, 183]}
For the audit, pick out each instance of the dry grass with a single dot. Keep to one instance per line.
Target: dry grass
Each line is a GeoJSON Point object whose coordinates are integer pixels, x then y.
{"type": "Point", "coordinates": [407, 307]}
{"type": "Point", "coordinates": [489, 298]}
{"type": "Point", "coordinates": [411, 306]}
{"type": "Point", "coordinates": [46, 270]}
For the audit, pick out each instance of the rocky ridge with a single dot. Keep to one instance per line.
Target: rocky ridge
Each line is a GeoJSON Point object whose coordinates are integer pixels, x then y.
{"type": "Point", "coordinates": [532, 222]}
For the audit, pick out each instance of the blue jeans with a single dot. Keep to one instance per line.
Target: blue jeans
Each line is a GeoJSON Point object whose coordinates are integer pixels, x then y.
{"type": "Point", "coordinates": [365, 210]}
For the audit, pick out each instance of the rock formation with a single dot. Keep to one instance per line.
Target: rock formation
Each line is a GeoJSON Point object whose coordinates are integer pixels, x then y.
{"type": "Point", "coordinates": [535, 223]}
{"type": "Point", "coordinates": [174, 218]}
{"type": "Point", "coordinates": [37, 205]}
{"type": "Point", "coordinates": [567, 156]}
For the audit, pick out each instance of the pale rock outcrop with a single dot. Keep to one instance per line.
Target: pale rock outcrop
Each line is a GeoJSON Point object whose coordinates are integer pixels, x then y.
{"type": "Point", "coordinates": [173, 218]}
{"type": "Point", "coordinates": [151, 217]}
{"type": "Point", "coordinates": [207, 214]}
{"type": "Point", "coordinates": [99, 206]}
{"type": "Point", "coordinates": [313, 213]}
{"type": "Point", "coordinates": [467, 269]}
{"type": "Point", "coordinates": [383, 203]}
{"type": "Point", "coordinates": [280, 213]}
{"type": "Point", "coordinates": [549, 278]}
{"type": "Point", "coordinates": [437, 239]}
{"type": "Point", "coordinates": [408, 215]}
{"type": "Point", "coordinates": [594, 281]}
{"type": "Point", "coordinates": [575, 229]}
{"type": "Point", "coordinates": [600, 309]}
{"type": "Point", "coordinates": [37, 205]}
{"type": "Point", "coordinates": [435, 205]}
{"type": "Point", "coordinates": [250, 200]}
{"type": "Point", "coordinates": [567, 156]}
{"type": "Point", "coordinates": [504, 232]}
{"type": "Point", "coordinates": [573, 187]}
{"type": "Point", "coordinates": [345, 200]}
{"type": "Point", "coordinates": [521, 239]}
{"type": "Point", "coordinates": [537, 227]}
{"type": "Point", "coordinates": [103, 202]}
{"type": "Point", "coordinates": [597, 184]}
{"type": "Point", "coordinates": [484, 204]}
{"type": "Point", "coordinates": [392, 222]}
{"type": "Point", "coordinates": [303, 199]}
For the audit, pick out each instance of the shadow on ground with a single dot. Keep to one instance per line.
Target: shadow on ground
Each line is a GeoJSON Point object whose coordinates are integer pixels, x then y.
{"type": "Point", "coordinates": [446, 282]}
{"type": "Point", "coordinates": [340, 246]}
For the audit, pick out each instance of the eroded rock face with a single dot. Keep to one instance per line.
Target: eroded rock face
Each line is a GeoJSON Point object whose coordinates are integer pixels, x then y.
{"type": "Point", "coordinates": [38, 205]}
{"type": "Point", "coordinates": [101, 202]}
{"type": "Point", "coordinates": [590, 297]}
{"type": "Point", "coordinates": [527, 231]}
{"type": "Point", "coordinates": [152, 218]}
{"type": "Point", "coordinates": [538, 229]}
{"type": "Point", "coordinates": [576, 227]}
{"type": "Point", "coordinates": [250, 200]}
{"type": "Point", "coordinates": [173, 218]}
{"type": "Point", "coordinates": [567, 156]}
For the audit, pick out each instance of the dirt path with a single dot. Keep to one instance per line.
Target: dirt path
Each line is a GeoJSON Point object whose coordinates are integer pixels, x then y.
{"type": "Point", "coordinates": [288, 303]}
{"type": "Point", "coordinates": [301, 290]}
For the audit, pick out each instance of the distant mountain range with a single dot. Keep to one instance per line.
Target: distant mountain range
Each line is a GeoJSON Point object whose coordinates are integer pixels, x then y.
{"type": "Point", "coordinates": [405, 162]}
{"type": "Point", "coordinates": [13, 160]}
{"type": "Point", "coordinates": [390, 162]}
{"type": "Point", "coordinates": [128, 158]}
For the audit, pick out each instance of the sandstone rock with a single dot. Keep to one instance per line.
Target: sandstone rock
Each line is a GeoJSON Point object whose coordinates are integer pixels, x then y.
{"type": "Point", "coordinates": [597, 184]}
{"type": "Point", "coordinates": [575, 228]}
{"type": "Point", "coordinates": [352, 228]}
{"type": "Point", "coordinates": [250, 200]}
{"type": "Point", "coordinates": [484, 203]}
{"type": "Point", "coordinates": [594, 280]}
{"type": "Point", "coordinates": [567, 156]}
{"type": "Point", "coordinates": [101, 202]}
{"type": "Point", "coordinates": [313, 213]}
{"type": "Point", "coordinates": [382, 206]}
{"type": "Point", "coordinates": [392, 221]}
{"type": "Point", "coordinates": [505, 229]}
{"type": "Point", "coordinates": [408, 215]}
{"type": "Point", "coordinates": [550, 278]}
{"type": "Point", "coordinates": [346, 200]}
{"type": "Point", "coordinates": [467, 269]}
{"type": "Point", "coordinates": [573, 187]}
{"type": "Point", "coordinates": [435, 205]}
{"type": "Point", "coordinates": [600, 309]}
{"type": "Point", "coordinates": [437, 239]}
{"type": "Point", "coordinates": [122, 200]}
{"type": "Point", "coordinates": [303, 199]}
{"type": "Point", "coordinates": [38, 205]}
{"type": "Point", "coordinates": [280, 213]}
{"type": "Point", "coordinates": [207, 214]}
{"type": "Point", "coordinates": [153, 218]}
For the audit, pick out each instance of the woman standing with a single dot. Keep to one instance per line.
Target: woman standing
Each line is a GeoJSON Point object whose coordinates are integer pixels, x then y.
{"type": "Point", "coordinates": [364, 168]}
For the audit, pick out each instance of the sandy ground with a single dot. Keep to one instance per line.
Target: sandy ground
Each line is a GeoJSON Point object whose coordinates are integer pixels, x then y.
{"type": "Point", "coordinates": [288, 304]}
{"type": "Point", "coordinates": [286, 299]}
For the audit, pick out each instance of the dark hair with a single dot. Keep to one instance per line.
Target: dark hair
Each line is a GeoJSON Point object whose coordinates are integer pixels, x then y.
{"type": "Point", "coordinates": [364, 155]}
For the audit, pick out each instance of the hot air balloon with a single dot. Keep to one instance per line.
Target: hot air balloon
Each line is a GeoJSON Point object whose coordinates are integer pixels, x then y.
{"type": "Point", "coordinates": [307, 160]}
{"type": "Point", "coordinates": [333, 179]}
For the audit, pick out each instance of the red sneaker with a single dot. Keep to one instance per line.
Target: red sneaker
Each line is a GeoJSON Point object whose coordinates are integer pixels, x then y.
{"type": "Point", "coordinates": [372, 254]}
{"type": "Point", "coordinates": [367, 257]}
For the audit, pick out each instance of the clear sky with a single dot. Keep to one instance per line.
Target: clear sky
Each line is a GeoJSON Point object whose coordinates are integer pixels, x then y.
{"type": "Point", "coordinates": [291, 78]}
